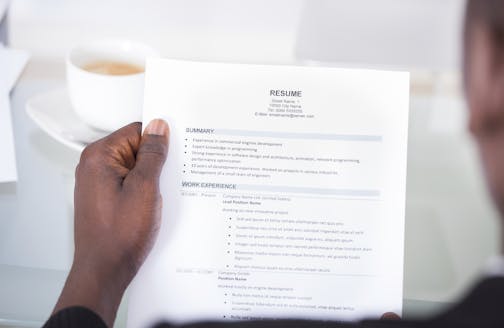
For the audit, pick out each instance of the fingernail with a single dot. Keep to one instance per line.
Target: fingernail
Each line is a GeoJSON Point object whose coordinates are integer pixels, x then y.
{"type": "Point", "coordinates": [157, 127]}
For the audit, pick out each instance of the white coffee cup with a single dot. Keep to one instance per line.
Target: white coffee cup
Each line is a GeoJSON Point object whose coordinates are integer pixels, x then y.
{"type": "Point", "coordinates": [103, 101]}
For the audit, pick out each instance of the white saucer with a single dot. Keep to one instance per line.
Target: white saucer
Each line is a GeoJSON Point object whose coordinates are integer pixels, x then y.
{"type": "Point", "coordinates": [53, 113]}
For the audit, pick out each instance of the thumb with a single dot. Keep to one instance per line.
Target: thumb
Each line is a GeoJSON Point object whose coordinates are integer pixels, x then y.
{"type": "Point", "coordinates": [152, 152]}
{"type": "Point", "coordinates": [390, 316]}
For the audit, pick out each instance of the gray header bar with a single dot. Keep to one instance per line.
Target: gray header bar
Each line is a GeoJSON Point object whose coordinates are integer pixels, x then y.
{"type": "Point", "coordinates": [294, 135]}
{"type": "Point", "coordinates": [318, 191]}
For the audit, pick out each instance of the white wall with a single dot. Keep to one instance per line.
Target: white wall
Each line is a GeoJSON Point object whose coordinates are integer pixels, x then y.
{"type": "Point", "coordinates": [423, 33]}
{"type": "Point", "coordinates": [398, 33]}
{"type": "Point", "coordinates": [259, 30]}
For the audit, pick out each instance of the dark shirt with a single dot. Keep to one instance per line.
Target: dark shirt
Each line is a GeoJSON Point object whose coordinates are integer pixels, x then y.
{"type": "Point", "coordinates": [482, 307]}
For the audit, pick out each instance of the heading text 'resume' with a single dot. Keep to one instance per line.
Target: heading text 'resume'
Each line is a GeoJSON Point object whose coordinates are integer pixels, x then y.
{"type": "Point", "coordinates": [285, 93]}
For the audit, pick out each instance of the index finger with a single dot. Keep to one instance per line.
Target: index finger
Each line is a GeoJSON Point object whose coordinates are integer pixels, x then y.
{"type": "Point", "coordinates": [118, 149]}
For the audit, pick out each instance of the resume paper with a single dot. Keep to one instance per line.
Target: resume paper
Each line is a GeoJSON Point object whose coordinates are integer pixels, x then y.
{"type": "Point", "coordinates": [283, 193]}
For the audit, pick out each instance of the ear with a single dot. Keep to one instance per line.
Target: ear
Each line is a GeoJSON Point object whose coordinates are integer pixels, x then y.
{"type": "Point", "coordinates": [484, 76]}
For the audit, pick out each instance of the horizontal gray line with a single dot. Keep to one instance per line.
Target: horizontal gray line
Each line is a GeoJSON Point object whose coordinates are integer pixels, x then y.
{"type": "Point", "coordinates": [296, 135]}
{"type": "Point", "coordinates": [305, 190]}
{"type": "Point", "coordinates": [293, 196]}
{"type": "Point", "coordinates": [304, 273]}
{"type": "Point", "coordinates": [222, 270]}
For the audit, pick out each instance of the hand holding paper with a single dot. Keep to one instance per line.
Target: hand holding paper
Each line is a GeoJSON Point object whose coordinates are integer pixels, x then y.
{"type": "Point", "coordinates": [109, 207]}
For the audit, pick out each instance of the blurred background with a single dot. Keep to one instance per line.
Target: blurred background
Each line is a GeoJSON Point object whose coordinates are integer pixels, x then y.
{"type": "Point", "coordinates": [451, 227]}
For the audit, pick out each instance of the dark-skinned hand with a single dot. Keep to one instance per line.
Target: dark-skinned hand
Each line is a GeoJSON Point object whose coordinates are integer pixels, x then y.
{"type": "Point", "coordinates": [117, 215]}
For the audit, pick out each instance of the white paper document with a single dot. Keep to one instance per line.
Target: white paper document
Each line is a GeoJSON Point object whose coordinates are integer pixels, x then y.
{"type": "Point", "coordinates": [4, 4]}
{"type": "Point", "coordinates": [12, 63]}
{"type": "Point", "coordinates": [283, 193]}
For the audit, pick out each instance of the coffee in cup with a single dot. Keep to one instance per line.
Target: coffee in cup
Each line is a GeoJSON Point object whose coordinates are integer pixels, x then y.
{"type": "Point", "coordinates": [109, 67]}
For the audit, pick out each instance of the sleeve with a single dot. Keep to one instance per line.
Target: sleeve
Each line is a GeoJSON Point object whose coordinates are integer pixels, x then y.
{"type": "Point", "coordinates": [75, 317]}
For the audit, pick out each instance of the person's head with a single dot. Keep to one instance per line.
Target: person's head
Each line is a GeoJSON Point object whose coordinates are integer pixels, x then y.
{"type": "Point", "coordinates": [484, 85]}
